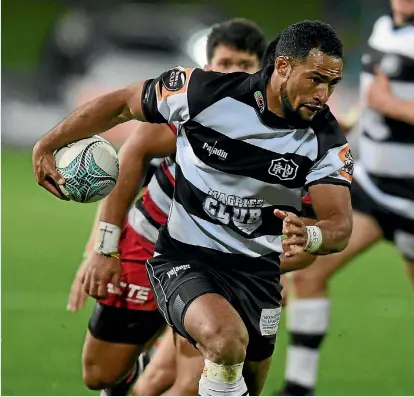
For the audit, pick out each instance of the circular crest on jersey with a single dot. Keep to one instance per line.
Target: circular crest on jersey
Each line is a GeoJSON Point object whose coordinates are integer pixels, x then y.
{"type": "Point", "coordinates": [174, 79]}
{"type": "Point", "coordinates": [90, 168]}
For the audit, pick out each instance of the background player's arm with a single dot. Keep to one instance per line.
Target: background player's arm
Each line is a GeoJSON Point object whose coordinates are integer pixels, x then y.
{"type": "Point", "coordinates": [332, 205]}
{"type": "Point", "coordinates": [399, 109]}
{"type": "Point", "coordinates": [92, 236]}
{"type": "Point", "coordinates": [135, 156]}
{"type": "Point", "coordinates": [381, 98]}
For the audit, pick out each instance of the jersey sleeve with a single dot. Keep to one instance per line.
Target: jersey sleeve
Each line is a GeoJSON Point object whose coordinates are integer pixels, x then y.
{"type": "Point", "coordinates": [165, 99]}
{"type": "Point", "coordinates": [180, 94]}
{"type": "Point", "coordinates": [334, 164]}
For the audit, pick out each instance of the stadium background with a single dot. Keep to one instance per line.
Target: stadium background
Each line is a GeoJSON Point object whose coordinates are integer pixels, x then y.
{"type": "Point", "coordinates": [370, 347]}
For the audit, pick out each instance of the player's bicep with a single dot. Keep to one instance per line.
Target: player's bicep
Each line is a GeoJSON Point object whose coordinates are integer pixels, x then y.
{"type": "Point", "coordinates": [164, 145]}
{"type": "Point", "coordinates": [331, 201]}
{"type": "Point", "coordinates": [149, 141]}
{"type": "Point", "coordinates": [133, 107]}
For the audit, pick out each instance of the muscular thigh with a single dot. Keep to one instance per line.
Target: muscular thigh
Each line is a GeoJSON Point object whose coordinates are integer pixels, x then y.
{"type": "Point", "coordinates": [253, 296]}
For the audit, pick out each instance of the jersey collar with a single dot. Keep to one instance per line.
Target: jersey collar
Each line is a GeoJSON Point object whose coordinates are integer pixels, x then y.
{"type": "Point", "coordinates": [258, 91]}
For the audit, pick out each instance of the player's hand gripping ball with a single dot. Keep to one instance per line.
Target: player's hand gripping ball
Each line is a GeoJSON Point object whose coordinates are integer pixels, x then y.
{"type": "Point", "coordinates": [90, 168]}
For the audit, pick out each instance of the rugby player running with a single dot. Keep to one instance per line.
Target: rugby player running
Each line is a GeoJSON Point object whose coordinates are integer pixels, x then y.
{"type": "Point", "coordinates": [122, 324]}
{"type": "Point", "coordinates": [246, 145]}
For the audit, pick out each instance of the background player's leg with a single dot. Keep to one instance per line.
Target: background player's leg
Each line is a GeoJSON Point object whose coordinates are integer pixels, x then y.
{"type": "Point", "coordinates": [113, 343]}
{"type": "Point", "coordinates": [160, 373]}
{"type": "Point", "coordinates": [255, 374]}
{"type": "Point", "coordinates": [189, 365]}
{"type": "Point", "coordinates": [106, 363]}
{"type": "Point", "coordinates": [410, 271]}
{"type": "Point", "coordinates": [308, 307]}
{"type": "Point", "coordinates": [222, 338]}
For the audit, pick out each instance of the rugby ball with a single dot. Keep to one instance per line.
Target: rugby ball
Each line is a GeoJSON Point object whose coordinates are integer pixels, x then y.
{"type": "Point", "coordinates": [90, 168]}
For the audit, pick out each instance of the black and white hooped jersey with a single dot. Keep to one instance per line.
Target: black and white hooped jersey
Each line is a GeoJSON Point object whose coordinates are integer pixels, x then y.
{"type": "Point", "coordinates": [236, 161]}
{"type": "Point", "coordinates": [385, 168]}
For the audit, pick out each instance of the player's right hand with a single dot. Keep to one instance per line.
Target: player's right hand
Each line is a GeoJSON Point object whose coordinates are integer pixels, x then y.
{"type": "Point", "coordinates": [295, 231]}
{"type": "Point", "coordinates": [98, 272]}
{"type": "Point", "coordinates": [46, 175]}
{"type": "Point", "coordinates": [77, 296]}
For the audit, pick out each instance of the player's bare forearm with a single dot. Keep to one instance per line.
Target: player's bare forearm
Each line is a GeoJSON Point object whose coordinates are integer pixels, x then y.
{"type": "Point", "coordinates": [332, 205]}
{"type": "Point", "coordinates": [133, 165]}
{"type": "Point", "coordinates": [95, 117]}
{"type": "Point", "coordinates": [146, 142]}
{"type": "Point", "coordinates": [292, 263]}
{"type": "Point", "coordinates": [92, 236]}
{"type": "Point", "coordinates": [336, 232]}
{"type": "Point", "coordinates": [115, 206]}
{"type": "Point", "coordinates": [400, 110]}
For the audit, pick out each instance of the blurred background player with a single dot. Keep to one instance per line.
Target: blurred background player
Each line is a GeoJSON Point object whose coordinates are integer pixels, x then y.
{"type": "Point", "coordinates": [382, 191]}
{"type": "Point", "coordinates": [121, 324]}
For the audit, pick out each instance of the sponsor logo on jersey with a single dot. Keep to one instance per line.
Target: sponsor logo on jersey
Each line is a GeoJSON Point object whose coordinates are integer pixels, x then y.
{"type": "Point", "coordinates": [284, 169]}
{"type": "Point", "coordinates": [212, 150]}
{"type": "Point", "coordinates": [174, 271]}
{"type": "Point", "coordinates": [244, 213]}
{"type": "Point", "coordinates": [174, 79]}
{"type": "Point", "coordinates": [134, 293]}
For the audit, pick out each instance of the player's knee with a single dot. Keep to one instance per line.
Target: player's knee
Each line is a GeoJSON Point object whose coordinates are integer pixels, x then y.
{"type": "Point", "coordinates": [96, 378]}
{"type": "Point", "coordinates": [309, 282]}
{"type": "Point", "coordinates": [224, 343]}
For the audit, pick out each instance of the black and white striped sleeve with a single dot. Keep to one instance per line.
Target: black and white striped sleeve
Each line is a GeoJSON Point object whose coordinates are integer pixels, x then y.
{"type": "Point", "coordinates": [165, 99]}
{"type": "Point", "coordinates": [334, 164]}
{"type": "Point", "coordinates": [179, 94]}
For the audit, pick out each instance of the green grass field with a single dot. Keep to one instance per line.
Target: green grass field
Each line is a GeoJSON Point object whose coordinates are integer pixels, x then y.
{"type": "Point", "coordinates": [369, 350]}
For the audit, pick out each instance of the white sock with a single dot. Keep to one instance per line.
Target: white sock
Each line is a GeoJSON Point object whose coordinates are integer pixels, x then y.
{"type": "Point", "coordinates": [307, 323]}
{"type": "Point", "coordinates": [222, 380]}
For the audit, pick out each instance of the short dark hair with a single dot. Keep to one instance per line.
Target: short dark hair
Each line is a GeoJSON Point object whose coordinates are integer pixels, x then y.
{"type": "Point", "coordinates": [297, 40]}
{"type": "Point", "coordinates": [240, 34]}
{"type": "Point", "coordinates": [269, 55]}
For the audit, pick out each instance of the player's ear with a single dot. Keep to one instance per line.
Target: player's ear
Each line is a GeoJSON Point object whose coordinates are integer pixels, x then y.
{"type": "Point", "coordinates": [207, 68]}
{"type": "Point", "coordinates": [282, 66]}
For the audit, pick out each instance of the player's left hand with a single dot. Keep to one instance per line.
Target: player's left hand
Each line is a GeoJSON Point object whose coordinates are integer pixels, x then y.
{"type": "Point", "coordinates": [379, 92]}
{"type": "Point", "coordinates": [295, 231]}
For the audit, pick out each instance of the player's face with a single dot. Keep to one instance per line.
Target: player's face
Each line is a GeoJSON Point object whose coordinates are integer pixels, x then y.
{"type": "Point", "coordinates": [227, 60]}
{"type": "Point", "coordinates": [307, 85]}
{"type": "Point", "coordinates": [403, 9]}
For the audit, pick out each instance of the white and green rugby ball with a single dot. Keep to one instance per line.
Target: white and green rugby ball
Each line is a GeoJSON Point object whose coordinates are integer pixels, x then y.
{"type": "Point", "coordinates": [90, 168]}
